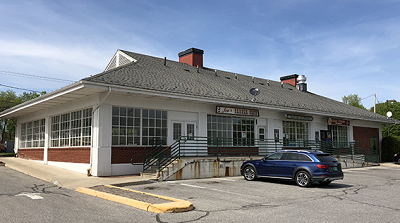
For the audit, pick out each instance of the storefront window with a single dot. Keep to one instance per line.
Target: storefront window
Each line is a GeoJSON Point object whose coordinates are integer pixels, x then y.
{"type": "Point", "coordinates": [132, 126]}
{"type": "Point", "coordinates": [294, 131]}
{"type": "Point", "coordinates": [237, 131]}
{"type": "Point", "coordinates": [72, 129]}
{"type": "Point", "coordinates": [32, 134]}
{"type": "Point", "coordinates": [339, 133]}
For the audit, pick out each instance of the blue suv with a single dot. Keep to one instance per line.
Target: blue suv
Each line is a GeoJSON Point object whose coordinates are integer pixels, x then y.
{"type": "Point", "coordinates": [304, 167]}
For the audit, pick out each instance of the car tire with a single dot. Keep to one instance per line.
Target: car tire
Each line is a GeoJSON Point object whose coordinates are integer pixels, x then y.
{"type": "Point", "coordinates": [325, 182]}
{"type": "Point", "coordinates": [303, 178]}
{"type": "Point", "coordinates": [249, 173]}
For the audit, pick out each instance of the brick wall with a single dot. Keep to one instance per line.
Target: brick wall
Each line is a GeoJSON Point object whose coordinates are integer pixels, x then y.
{"type": "Point", "coordinates": [292, 82]}
{"type": "Point", "coordinates": [125, 154]}
{"type": "Point", "coordinates": [31, 154]}
{"type": "Point", "coordinates": [70, 155]}
{"type": "Point", "coordinates": [363, 135]}
{"type": "Point", "coordinates": [192, 59]}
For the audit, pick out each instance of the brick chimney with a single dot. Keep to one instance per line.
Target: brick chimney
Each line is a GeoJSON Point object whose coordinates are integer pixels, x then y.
{"type": "Point", "coordinates": [192, 56]}
{"type": "Point", "coordinates": [290, 79]}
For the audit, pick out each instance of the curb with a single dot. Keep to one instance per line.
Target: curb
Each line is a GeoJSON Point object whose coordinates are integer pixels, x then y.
{"type": "Point", "coordinates": [176, 205]}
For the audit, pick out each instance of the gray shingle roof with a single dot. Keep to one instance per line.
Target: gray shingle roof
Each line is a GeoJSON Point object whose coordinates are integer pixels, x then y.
{"type": "Point", "coordinates": [150, 73]}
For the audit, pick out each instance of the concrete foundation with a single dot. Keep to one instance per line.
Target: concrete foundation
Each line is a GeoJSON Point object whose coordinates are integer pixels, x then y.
{"type": "Point", "coordinates": [197, 168]}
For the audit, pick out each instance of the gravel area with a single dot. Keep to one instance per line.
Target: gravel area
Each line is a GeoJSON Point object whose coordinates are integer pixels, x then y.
{"type": "Point", "coordinates": [129, 194]}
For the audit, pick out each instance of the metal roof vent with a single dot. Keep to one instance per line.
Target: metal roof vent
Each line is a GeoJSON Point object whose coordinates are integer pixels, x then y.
{"type": "Point", "coordinates": [301, 83]}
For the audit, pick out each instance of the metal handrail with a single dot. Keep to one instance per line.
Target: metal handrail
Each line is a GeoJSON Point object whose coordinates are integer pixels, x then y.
{"type": "Point", "coordinates": [162, 156]}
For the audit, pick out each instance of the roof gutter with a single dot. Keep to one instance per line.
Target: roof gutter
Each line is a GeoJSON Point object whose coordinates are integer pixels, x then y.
{"type": "Point", "coordinates": [101, 102]}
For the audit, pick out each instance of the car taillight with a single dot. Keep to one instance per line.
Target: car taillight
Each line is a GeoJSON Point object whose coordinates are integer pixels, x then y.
{"type": "Point", "coordinates": [395, 154]}
{"type": "Point", "coordinates": [322, 166]}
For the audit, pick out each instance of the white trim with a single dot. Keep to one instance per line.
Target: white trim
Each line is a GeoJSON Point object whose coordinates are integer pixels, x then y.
{"type": "Point", "coordinates": [226, 102]}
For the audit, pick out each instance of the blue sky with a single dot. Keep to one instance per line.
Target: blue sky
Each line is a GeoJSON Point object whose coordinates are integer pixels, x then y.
{"type": "Point", "coordinates": [342, 47]}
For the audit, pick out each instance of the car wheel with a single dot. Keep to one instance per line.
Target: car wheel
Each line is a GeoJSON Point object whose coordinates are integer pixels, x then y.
{"type": "Point", "coordinates": [303, 178]}
{"type": "Point", "coordinates": [325, 182]}
{"type": "Point", "coordinates": [249, 173]}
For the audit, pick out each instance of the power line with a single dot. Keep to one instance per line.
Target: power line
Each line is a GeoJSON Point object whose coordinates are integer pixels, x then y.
{"type": "Point", "coordinates": [367, 97]}
{"type": "Point", "coordinates": [10, 73]}
{"type": "Point", "coordinates": [19, 88]}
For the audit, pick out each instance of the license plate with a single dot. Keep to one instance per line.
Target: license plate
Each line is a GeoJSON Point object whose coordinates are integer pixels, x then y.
{"type": "Point", "coordinates": [335, 168]}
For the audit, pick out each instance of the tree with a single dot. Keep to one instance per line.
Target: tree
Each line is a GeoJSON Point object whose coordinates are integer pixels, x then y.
{"type": "Point", "coordinates": [353, 100]}
{"type": "Point", "coordinates": [382, 109]}
{"type": "Point", "coordinates": [9, 99]}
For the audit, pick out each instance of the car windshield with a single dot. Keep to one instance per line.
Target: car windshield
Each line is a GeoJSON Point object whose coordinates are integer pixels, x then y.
{"type": "Point", "coordinates": [326, 158]}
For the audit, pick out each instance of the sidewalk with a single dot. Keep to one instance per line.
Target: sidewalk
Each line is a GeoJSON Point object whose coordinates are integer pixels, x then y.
{"type": "Point", "coordinates": [100, 186]}
{"type": "Point", "coordinates": [66, 178]}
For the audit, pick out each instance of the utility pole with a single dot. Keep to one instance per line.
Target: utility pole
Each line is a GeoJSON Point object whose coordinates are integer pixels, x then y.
{"type": "Point", "coordinates": [374, 103]}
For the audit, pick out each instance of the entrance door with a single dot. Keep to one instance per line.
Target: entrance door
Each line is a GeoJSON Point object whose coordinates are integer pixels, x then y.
{"type": "Point", "coordinates": [188, 131]}
{"type": "Point", "coordinates": [324, 135]}
{"type": "Point", "coordinates": [262, 141]}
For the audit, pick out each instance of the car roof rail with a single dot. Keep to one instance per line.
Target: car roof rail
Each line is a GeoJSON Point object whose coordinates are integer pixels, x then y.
{"type": "Point", "coordinates": [304, 151]}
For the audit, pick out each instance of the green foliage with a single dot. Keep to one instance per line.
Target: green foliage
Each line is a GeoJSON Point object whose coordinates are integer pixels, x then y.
{"type": "Point", "coordinates": [390, 146]}
{"type": "Point", "coordinates": [9, 99]}
{"type": "Point", "coordinates": [353, 100]}
{"type": "Point", "coordinates": [382, 109]}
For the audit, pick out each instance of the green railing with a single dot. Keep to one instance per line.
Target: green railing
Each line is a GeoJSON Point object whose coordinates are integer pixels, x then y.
{"type": "Point", "coordinates": [222, 147]}
{"type": "Point", "coordinates": [162, 156]}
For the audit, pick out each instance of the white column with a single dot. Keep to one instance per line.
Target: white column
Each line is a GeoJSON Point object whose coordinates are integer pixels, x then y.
{"type": "Point", "coordinates": [46, 139]}
{"type": "Point", "coordinates": [101, 148]}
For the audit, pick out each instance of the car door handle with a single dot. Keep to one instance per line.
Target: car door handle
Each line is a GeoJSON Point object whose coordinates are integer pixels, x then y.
{"type": "Point", "coordinates": [294, 165]}
{"type": "Point", "coordinates": [275, 164]}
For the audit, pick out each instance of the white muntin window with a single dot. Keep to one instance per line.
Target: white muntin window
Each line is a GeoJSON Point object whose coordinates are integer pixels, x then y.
{"type": "Point", "coordinates": [230, 130]}
{"type": "Point", "coordinates": [33, 134]}
{"type": "Point", "coordinates": [71, 129]}
{"type": "Point", "coordinates": [295, 131]}
{"type": "Point", "coordinates": [135, 126]}
{"type": "Point", "coordinates": [339, 133]}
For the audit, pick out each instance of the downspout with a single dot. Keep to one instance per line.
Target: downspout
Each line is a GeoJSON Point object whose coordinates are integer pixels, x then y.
{"type": "Point", "coordinates": [89, 171]}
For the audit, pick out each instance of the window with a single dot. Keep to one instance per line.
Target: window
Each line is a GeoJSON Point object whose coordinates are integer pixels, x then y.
{"type": "Point", "coordinates": [32, 134]}
{"type": "Point", "coordinates": [274, 156]}
{"type": "Point", "coordinates": [177, 130]}
{"type": "Point", "coordinates": [296, 157]}
{"type": "Point", "coordinates": [294, 131]}
{"type": "Point", "coordinates": [339, 133]}
{"type": "Point", "coordinates": [71, 129]}
{"type": "Point", "coordinates": [226, 128]}
{"type": "Point", "coordinates": [132, 126]}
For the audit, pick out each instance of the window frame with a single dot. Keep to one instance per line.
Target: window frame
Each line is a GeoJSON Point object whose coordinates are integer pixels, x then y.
{"type": "Point", "coordinates": [32, 134]}
{"type": "Point", "coordinates": [229, 130]}
{"type": "Point", "coordinates": [147, 125]}
{"type": "Point", "coordinates": [67, 129]}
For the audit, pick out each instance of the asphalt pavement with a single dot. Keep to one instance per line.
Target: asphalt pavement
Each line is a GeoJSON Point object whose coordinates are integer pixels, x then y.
{"type": "Point", "coordinates": [108, 188]}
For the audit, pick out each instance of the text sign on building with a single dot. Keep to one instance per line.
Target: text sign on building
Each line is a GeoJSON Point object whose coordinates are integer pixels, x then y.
{"type": "Point", "coordinates": [299, 117]}
{"type": "Point", "coordinates": [333, 121]}
{"type": "Point", "coordinates": [237, 111]}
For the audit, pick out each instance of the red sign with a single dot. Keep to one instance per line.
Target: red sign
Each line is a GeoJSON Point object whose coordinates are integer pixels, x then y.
{"type": "Point", "coordinates": [333, 121]}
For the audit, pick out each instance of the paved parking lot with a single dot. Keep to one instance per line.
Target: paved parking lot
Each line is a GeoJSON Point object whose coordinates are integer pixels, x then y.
{"type": "Point", "coordinates": [365, 195]}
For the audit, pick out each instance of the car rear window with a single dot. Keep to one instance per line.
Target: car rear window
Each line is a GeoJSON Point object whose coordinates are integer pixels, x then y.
{"type": "Point", "coordinates": [326, 158]}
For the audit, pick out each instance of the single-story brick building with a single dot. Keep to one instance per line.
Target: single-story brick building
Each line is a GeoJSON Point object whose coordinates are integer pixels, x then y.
{"type": "Point", "coordinates": [102, 121]}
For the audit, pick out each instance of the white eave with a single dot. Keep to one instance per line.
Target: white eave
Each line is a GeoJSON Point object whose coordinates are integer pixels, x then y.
{"type": "Point", "coordinates": [83, 89]}
{"type": "Point", "coordinates": [66, 94]}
